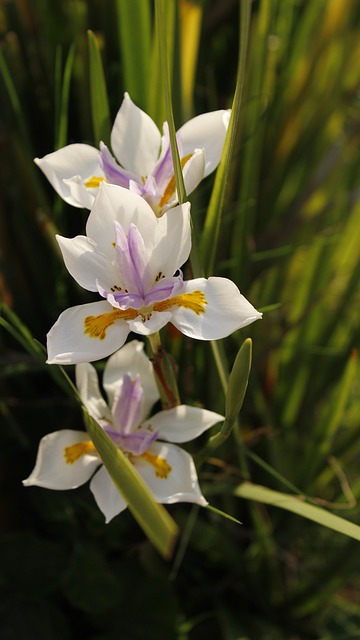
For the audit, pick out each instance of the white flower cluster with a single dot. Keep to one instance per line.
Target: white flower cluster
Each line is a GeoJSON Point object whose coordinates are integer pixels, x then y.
{"type": "Point", "coordinates": [137, 239]}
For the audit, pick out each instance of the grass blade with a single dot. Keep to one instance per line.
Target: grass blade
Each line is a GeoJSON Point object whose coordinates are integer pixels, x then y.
{"type": "Point", "coordinates": [100, 110]}
{"type": "Point", "coordinates": [299, 507]}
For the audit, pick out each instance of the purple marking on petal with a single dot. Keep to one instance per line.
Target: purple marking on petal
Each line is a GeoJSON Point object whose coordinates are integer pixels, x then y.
{"type": "Point", "coordinates": [136, 443]}
{"type": "Point", "coordinates": [165, 288]}
{"type": "Point", "coordinates": [127, 407]}
{"type": "Point", "coordinates": [164, 168]}
{"type": "Point", "coordinates": [125, 300]}
{"type": "Point", "coordinates": [132, 260]}
{"type": "Point", "coordinates": [139, 257]}
{"type": "Point", "coordinates": [120, 299]}
{"type": "Point", "coordinates": [113, 172]}
{"type": "Point", "coordinates": [135, 187]}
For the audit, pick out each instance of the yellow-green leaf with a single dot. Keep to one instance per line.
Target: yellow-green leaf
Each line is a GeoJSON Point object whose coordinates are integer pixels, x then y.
{"type": "Point", "coordinates": [296, 504]}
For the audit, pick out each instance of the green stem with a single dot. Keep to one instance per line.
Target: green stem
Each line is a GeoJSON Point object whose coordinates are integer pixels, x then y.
{"type": "Point", "coordinates": [164, 369]}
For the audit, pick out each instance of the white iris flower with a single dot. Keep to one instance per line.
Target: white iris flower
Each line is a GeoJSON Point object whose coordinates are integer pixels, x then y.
{"type": "Point", "coordinates": [142, 160]}
{"type": "Point", "coordinates": [133, 259]}
{"type": "Point", "coordinates": [67, 459]}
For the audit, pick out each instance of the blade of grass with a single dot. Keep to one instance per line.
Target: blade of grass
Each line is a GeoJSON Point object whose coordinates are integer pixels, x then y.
{"type": "Point", "coordinates": [100, 110]}
{"type": "Point", "coordinates": [62, 104]}
{"type": "Point", "coordinates": [296, 505]}
{"type": "Point", "coordinates": [190, 14]}
{"type": "Point", "coordinates": [211, 231]}
{"type": "Point", "coordinates": [134, 25]}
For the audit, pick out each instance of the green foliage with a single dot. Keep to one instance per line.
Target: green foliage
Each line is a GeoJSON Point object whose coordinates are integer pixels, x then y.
{"type": "Point", "coordinates": [281, 218]}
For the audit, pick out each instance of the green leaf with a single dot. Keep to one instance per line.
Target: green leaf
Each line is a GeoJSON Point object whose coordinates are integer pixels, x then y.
{"type": "Point", "coordinates": [152, 517]}
{"type": "Point", "coordinates": [99, 101]}
{"type": "Point", "coordinates": [211, 231]}
{"type": "Point", "coordinates": [161, 12]}
{"type": "Point", "coordinates": [134, 25]}
{"type": "Point", "coordinates": [62, 98]}
{"type": "Point", "coordinates": [238, 381]}
{"type": "Point", "coordinates": [299, 506]}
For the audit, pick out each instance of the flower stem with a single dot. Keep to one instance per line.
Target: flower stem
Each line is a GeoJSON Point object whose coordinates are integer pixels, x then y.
{"type": "Point", "coordinates": [164, 369]}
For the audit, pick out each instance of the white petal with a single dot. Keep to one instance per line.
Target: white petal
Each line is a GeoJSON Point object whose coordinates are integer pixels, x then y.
{"type": "Point", "coordinates": [107, 497]}
{"type": "Point", "coordinates": [88, 385]}
{"type": "Point", "coordinates": [51, 469]}
{"type": "Point", "coordinates": [116, 203]}
{"type": "Point", "coordinates": [73, 160]}
{"type": "Point", "coordinates": [157, 321]}
{"type": "Point", "coordinates": [207, 132]}
{"type": "Point", "coordinates": [68, 344]}
{"type": "Point", "coordinates": [181, 484]}
{"type": "Point", "coordinates": [194, 170]}
{"type": "Point", "coordinates": [132, 360]}
{"type": "Point", "coordinates": [172, 240]}
{"type": "Point", "coordinates": [86, 265]}
{"type": "Point", "coordinates": [85, 197]}
{"type": "Point", "coordinates": [226, 310]}
{"type": "Point", "coordinates": [135, 139]}
{"type": "Point", "coordinates": [183, 423]}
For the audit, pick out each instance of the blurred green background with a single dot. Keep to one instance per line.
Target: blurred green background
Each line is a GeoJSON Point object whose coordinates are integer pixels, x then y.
{"type": "Point", "coordinates": [289, 238]}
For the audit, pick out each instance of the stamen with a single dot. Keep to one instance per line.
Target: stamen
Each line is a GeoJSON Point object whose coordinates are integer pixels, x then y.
{"type": "Point", "coordinates": [94, 181]}
{"type": "Point", "coordinates": [96, 326]}
{"type": "Point", "coordinates": [171, 185]}
{"type": "Point", "coordinates": [75, 451]}
{"type": "Point", "coordinates": [195, 301]}
{"type": "Point", "coordinates": [161, 467]}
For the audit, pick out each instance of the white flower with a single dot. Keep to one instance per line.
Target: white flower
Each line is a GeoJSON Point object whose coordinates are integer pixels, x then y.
{"type": "Point", "coordinates": [67, 459]}
{"type": "Point", "coordinates": [143, 161]}
{"type": "Point", "coordinates": [133, 259]}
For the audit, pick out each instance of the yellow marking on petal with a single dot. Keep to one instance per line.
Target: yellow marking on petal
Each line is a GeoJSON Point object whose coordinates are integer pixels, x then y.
{"type": "Point", "coordinates": [161, 467]}
{"type": "Point", "coordinates": [75, 451]}
{"type": "Point", "coordinates": [171, 185]}
{"type": "Point", "coordinates": [195, 301]}
{"type": "Point", "coordinates": [94, 181]}
{"type": "Point", "coordinates": [96, 326]}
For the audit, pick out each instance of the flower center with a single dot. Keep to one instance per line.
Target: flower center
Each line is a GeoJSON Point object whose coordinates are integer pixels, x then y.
{"type": "Point", "coordinates": [96, 326]}
{"type": "Point", "coordinates": [161, 467]}
{"type": "Point", "coordinates": [75, 451]}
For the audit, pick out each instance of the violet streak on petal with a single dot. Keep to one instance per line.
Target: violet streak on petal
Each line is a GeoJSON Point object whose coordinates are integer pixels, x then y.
{"type": "Point", "coordinates": [127, 408]}
{"type": "Point", "coordinates": [164, 289]}
{"type": "Point", "coordinates": [113, 172]}
{"type": "Point", "coordinates": [121, 300]}
{"type": "Point", "coordinates": [132, 260]}
{"type": "Point", "coordinates": [164, 168]}
{"type": "Point", "coordinates": [136, 443]}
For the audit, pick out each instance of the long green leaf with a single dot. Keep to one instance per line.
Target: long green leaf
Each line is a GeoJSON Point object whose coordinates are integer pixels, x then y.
{"type": "Point", "coordinates": [63, 101]}
{"type": "Point", "coordinates": [152, 517]}
{"type": "Point", "coordinates": [134, 25]}
{"type": "Point", "coordinates": [300, 507]}
{"type": "Point", "coordinates": [99, 101]}
{"type": "Point", "coordinates": [238, 380]}
{"type": "Point", "coordinates": [161, 21]}
{"type": "Point", "coordinates": [211, 229]}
